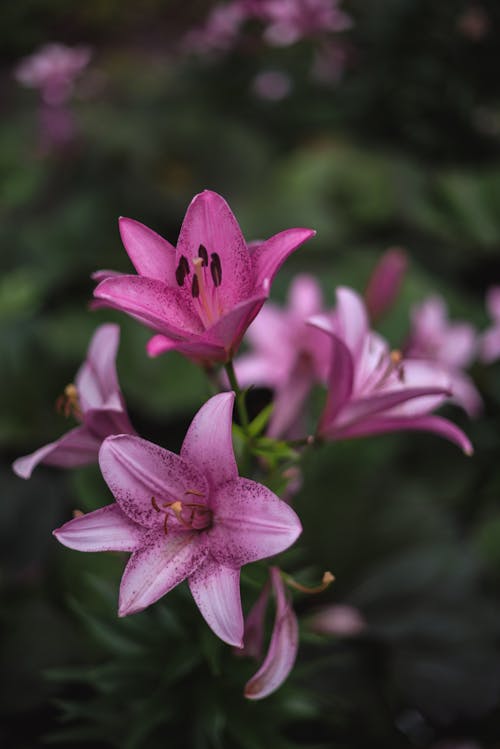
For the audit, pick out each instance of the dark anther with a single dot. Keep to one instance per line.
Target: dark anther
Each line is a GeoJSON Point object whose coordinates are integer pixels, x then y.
{"type": "Point", "coordinates": [202, 252]}
{"type": "Point", "coordinates": [182, 270]}
{"type": "Point", "coordinates": [216, 269]}
{"type": "Point", "coordinates": [195, 288]}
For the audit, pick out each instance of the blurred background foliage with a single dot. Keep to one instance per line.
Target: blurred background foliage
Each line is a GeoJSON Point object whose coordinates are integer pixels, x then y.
{"type": "Point", "coordinates": [403, 150]}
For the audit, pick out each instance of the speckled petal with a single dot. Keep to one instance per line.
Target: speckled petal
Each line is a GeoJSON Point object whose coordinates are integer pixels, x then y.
{"type": "Point", "coordinates": [208, 444]}
{"type": "Point", "coordinates": [137, 470]}
{"type": "Point", "coordinates": [107, 529]}
{"type": "Point", "coordinates": [158, 567]}
{"type": "Point", "coordinates": [250, 523]}
{"type": "Point", "coordinates": [216, 590]}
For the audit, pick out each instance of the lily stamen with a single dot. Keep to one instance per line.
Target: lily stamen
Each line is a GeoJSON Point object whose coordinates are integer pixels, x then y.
{"type": "Point", "coordinates": [326, 581]}
{"type": "Point", "coordinates": [68, 403]}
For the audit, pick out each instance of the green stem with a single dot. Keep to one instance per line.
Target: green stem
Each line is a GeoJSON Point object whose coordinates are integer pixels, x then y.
{"type": "Point", "coordinates": [240, 395]}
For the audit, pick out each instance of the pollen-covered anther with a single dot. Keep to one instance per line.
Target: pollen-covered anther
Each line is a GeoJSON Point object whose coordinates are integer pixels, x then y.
{"type": "Point", "coordinates": [68, 403]}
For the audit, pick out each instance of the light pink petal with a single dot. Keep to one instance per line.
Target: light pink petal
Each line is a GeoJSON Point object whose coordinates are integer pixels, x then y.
{"type": "Point", "coordinates": [151, 255]}
{"type": "Point", "coordinates": [340, 377]}
{"type": "Point", "coordinates": [151, 302]}
{"type": "Point", "coordinates": [259, 370]}
{"type": "Point", "coordinates": [305, 297]}
{"type": "Point", "coordinates": [199, 348]}
{"type": "Point", "coordinates": [158, 567]}
{"type": "Point", "coordinates": [340, 620]}
{"type": "Point", "coordinates": [283, 647]}
{"type": "Point", "coordinates": [160, 344]}
{"type": "Point", "coordinates": [385, 282]}
{"type": "Point", "coordinates": [365, 408]}
{"type": "Point", "coordinates": [253, 636]}
{"type": "Point", "coordinates": [489, 346]}
{"type": "Point", "coordinates": [104, 422]}
{"type": "Point", "coordinates": [270, 332]}
{"type": "Point", "coordinates": [384, 424]}
{"type": "Point", "coordinates": [268, 258]}
{"type": "Point", "coordinates": [250, 523]}
{"type": "Point", "coordinates": [216, 590]}
{"type": "Point", "coordinates": [208, 444]}
{"type": "Point", "coordinates": [422, 373]}
{"type": "Point", "coordinates": [290, 398]}
{"type": "Point", "coordinates": [493, 302]}
{"type": "Point", "coordinates": [210, 222]}
{"type": "Point", "coordinates": [96, 380]}
{"type": "Point", "coordinates": [137, 470]}
{"type": "Point", "coordinates": [465, 394]}
{"type": "Point", "coordinates": [75, 448]}
{"type": "Point", "coordinates": [107, 529]}
{"type": "Point", "coordinates": [230, 329]}
{"type": "Point", "coordinates": [458, 347]}
{"type": "Point", "coordinates": [351, 320]}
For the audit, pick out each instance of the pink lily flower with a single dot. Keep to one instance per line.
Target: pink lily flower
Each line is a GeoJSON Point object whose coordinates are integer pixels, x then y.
{"type": "Point", "coordinates": [490, 340]}
{"type": "Point", "coordinates": [372, 390]}
{"type": "Point", "coordinates": [185, 516]}
{"type": "Point", "coordinates": [202, 295]}
{"type": "Point", "coordinates": [289, 21]}
{"type": "Point", "coordinates": [95, 400]}
{"type": "Point", "coordinates": [452, 345]}
{"type": "Point", "coordinates": [288, 355]}
{"type": "Point", "coordinates": [283, 646]}
{"type": "Point", "coordinates": [53, 70]}
{"type": "Point", "coordinates": [385, 282]}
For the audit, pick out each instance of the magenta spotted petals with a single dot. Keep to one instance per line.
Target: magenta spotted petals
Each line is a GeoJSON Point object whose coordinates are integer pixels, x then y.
{"type": "Point", "coordinates": [94, 400]}
{"type": "Point", "coordinates": [372, 390]}
{"type": "Point", "coordinates": [185, 516]}
{"type": "Point", "coordinates": [201, 296]}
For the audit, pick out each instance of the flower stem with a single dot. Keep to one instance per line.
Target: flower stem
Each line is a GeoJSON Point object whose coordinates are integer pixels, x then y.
{"type": "Point", "coordinates": [240, 395]}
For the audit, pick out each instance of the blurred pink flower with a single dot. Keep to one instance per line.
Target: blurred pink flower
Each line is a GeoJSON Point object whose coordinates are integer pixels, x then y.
{"type": "Point", "coordinates": [338, 619]}
{"type": "Point", "coordinates": [95, 400]}
{"type": "Point", "coordinates": [453, 345]}
{"type": "Point", "coordinates": [185, 516]}
{"type": "Point", "coordinates": [372, 390]}
{"type": "Point", "coordinates": [287, 354]}
{"type": "Point", "coordinates": [385, 282]}
{"type": "Point", "coordinates": [289, 21]}
{"type": "Point", "coordinates": [220, 31]}
{"type": "Point", "coordinates": [202, 295]}
{"type": "Point", "coordinates": [53, 70]}
{"type": "Point", "coordinates": [489, 344]}
{"type": "Point", "coordinates": [272, 85]}
{"type": "Point", "coordinates": [284, 643]}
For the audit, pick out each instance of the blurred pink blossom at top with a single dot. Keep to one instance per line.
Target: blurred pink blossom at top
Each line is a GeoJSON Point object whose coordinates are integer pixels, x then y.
{"type": "Point", "coordinates": [452, 344]}
{"type": "Point", "coordinates": [489, 345]}
{"type": "Point", "coordinates": [220, 30]}
{"type": "Point", "coordinates": [53, 70]}
{"type": "Point", "coordinates": [289, 21]}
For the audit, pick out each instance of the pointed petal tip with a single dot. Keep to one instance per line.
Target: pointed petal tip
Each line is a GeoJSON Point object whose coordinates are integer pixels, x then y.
{"type": "Point", "coordinates": [21, 468]}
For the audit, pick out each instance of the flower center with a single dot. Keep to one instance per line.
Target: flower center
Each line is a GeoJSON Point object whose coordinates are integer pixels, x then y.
{"type": "Point", "coordinates": [393, 366]}
{"type": "Point", "coordinates": [184, 515]}
{"type": "Point", "coordinates": [68, 403]}
{"type": "Point", "coordinates": [206, 277]}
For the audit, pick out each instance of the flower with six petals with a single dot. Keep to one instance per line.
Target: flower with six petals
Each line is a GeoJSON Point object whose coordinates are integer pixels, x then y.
{"type": "Point", "coordinates": [201, 296]}
{"type": "Point", "coordinates": [185, 516]}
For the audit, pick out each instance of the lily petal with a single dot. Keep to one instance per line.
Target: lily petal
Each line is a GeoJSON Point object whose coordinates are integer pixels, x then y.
{"type": "Point", "coordinates": [96, 380]}
{"type": "Point", "coordinates": [161, 307]}
{"type": "Point", "coordinates": [230, 328]}
{"type": "Point", "coordinates": [210, 222]}
{"type": "Point", "coordinates": [250, 523]}
{"type": "Point", "coordinates": [289, 399]}
{"type": "Point", "coordinates": [137, 471]}
{"type": "Point", "coordinates": [384, 425]}
{"type": "Point", "coordinates": [151, 255]}
{"type": "Point", "coordinates": [208, 443]}
{"type": "Point", "coordinates": [216, 590]}
{"type": "Point", "coordinates": [77, 447]}
{"type": "Point", "coordinates": [283, 647]}
{"type": "Point", "coordinates": [351, 320]}
{"type": "Point", "coordinates": [157, 568]}
{"type": "Point", "coordinates": [305, 297]}
{"type": "Point", "coordinates": [253, 636]}
{"type": "Point", "coordinates": [269, 256]}
{"type": "Point", "coordinates": [107, 529]}
{"type": "Point", "coordinates": [340, 377]}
